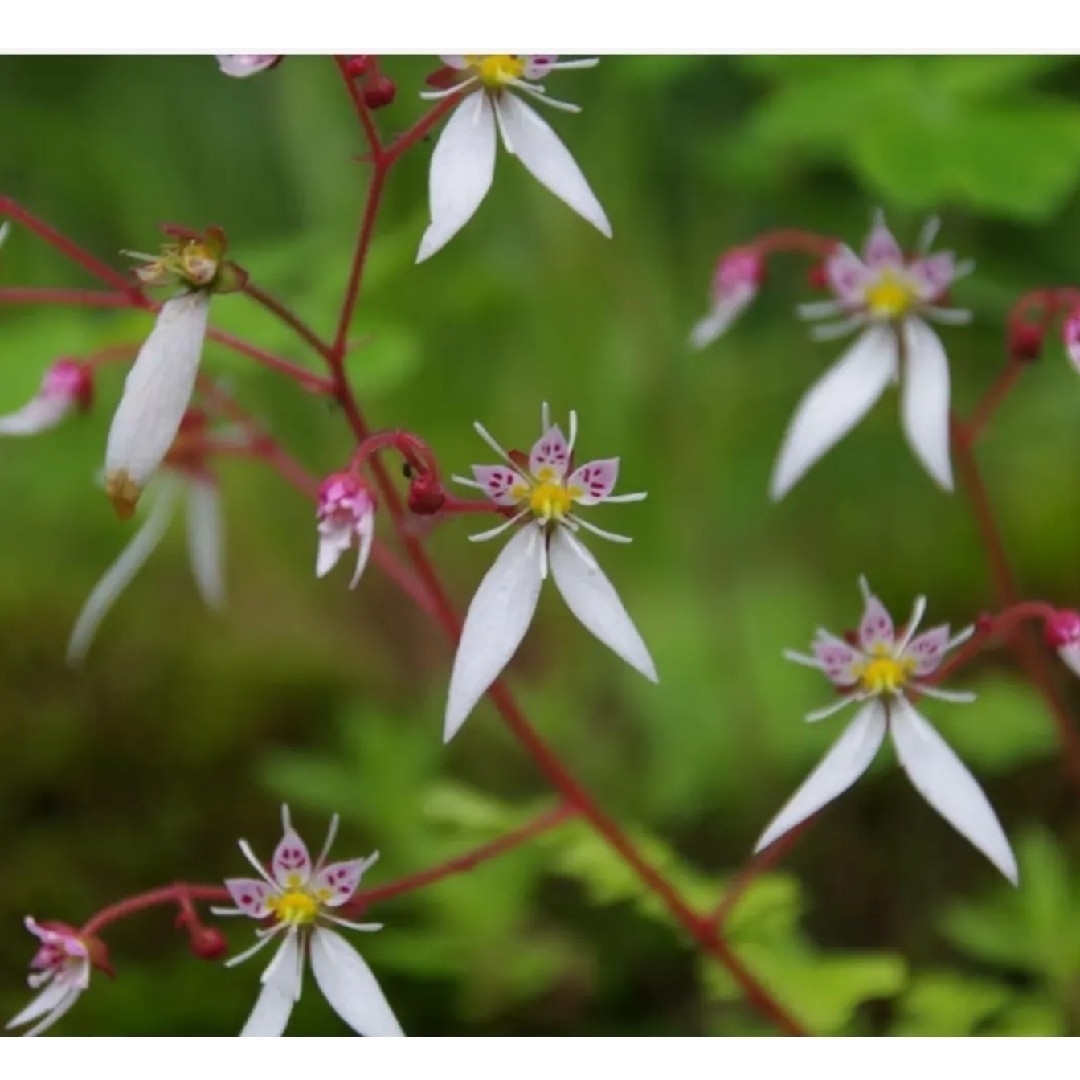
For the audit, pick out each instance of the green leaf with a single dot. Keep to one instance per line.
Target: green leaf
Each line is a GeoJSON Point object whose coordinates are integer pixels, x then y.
{"type": "Point", "coordinates": [947, 1003]}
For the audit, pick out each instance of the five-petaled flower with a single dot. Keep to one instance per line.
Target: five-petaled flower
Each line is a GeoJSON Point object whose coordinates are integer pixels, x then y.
{"type": "Point", "coordinates": [296, 899]}
{"type": "Point", "coordinates": [345, 510]}
{"type": "Point", "coordinates": [463, 162]}
{"type": "Point", "coordinates": [887, 294]}
{"type": "Point", "coordinates": [879, 671]}
{"type": "Point", "coordinates": [735, 283]}
{"type": "Point", "coordinates": [543, 489]}
{"type": "Point", "coordinates": [60, 971]}
{"type": "Point", "coordinates": [67, 387]}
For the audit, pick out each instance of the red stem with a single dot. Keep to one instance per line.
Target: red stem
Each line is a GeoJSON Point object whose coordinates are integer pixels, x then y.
{"type": "Point", "coordinates": [287, 316]}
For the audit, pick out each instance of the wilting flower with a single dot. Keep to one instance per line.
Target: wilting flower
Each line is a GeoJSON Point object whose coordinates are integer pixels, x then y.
{"type": "Point", "coordinates": [735, 283]}
{"type": "Point", "coordinates": [67, 386]}
{"type": "Point", "coordinates": [1062, 633]}
{"type": "Point", "coordinates": [241, 66]}
{"type": "Point", "coordinates": [157, 392]}
{"type": "Point", "coordinates": [346, 515]}
{"type": "Point", "coordinates": [889, 295]}
{"type": "Point", "coordinates": [463, 163]}
{"type": "Point", "coordinates": [296, 899]}
{"type": "Point", "coordinates": [543, 489]}
{"type": "Point", "coordinates": [60, 971]}
{"type": "Point", "coordinates": [878, 672]}
{"type": "Point", "coordinates": [205, 534]}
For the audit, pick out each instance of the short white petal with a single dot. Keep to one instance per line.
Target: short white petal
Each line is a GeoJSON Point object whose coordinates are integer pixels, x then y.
{"type": "Point", "coordinates": [593, 599]}
{"type": "Point", "coordinates": [332, 546]}
{"type": "Point", "coordinates": [365, 540]}
{"type": "Point", "coordinates": [271, 1014]}
{"type": "Point", "coordinates": [495, 624]}
{"type": "Point", "coordinates": [206, 546]}
{"type": "Point", "coordinates": [925, 400]}
{"type": "Point", "coordinates": [835, 404]}
{"type": "Point", "coordinates": [158, 388]}
{"type": "Point", "coordinates": [349, 985]}
{"type": "Point", "coordinates": [462, 168]}
{"type": "Point", "coordinates": [531, 139]}
{"type": "Point", "coordinates": [39, 414]}
{"type": "Point", "coordinates": [848, 759]}
{"type": "Point", "coordinates": [725, 311]}
{"type": "Point", "coordinates": [944, 781]}
{"type": "Point", "coordinates": [117, 578]}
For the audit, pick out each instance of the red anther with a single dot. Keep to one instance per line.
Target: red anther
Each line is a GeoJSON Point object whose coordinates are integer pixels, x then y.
{"type": "Point", "coordinates": [426, 495]}
{"type": "Point", "coordinates": [207, 942]}
{"type": "Point", "coordinates": [816, 276]}
{"type": "Point", "coordinates": [851, 637]}
{"type": "Point", "coordinates": [356, 66]}
{"type": "Point", "coordinates": [379, 91]}
{"type": "Point", "coordinates": [1026, 341]}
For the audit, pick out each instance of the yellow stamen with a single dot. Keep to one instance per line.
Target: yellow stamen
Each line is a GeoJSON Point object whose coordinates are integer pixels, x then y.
{"type": "Point", "coordinates": [496, 71]}
{"type": "Point", "coordinates": [123, 493]}
{"type": "Point", "coordinates": [884, 674]}
{"type": "Point", "coordinates": [550, 501]}
{"type": "Point", "coordinates": [297, 908]}
{"type": "Point", "coordinates": [890, 296]}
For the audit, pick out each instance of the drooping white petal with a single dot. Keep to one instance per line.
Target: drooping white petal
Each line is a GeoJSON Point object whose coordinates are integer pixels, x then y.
{"type": "Point", "coordinates": [495, 624]}
{"type": "Point", "coordinates": [271, 1014]}
{"type": "Point", "coordinates": [117, 578]}
{"type": "Point", "coordinates": [158, 389]}
{"type": "Point", "coordinates": [925, 402]}
{"type": "Point", "coordinates": [206, 547]}
{"type": "Point", "coordinates": [462, 168]}
{"type": "Point", "coordinates": [334, 541]}
{"type": "Point", "coordinates": [593, 599]}
{"type": "Point", "coordinates": [530, 138]}
{"type": "Point", "coordinates": [365, 538]}
{"type": "Point", "coordinates": [724, 312]}
{"type": "Point", "coordinates": [39, 414]}
{"type": "Point", "coordinates": [349, 986]}
{"type": "Point", "coordinates": [49, 998]}
{"type": "Point", "coordinates": [944, 781]}
{"type": "Point", "coordinates": [835, 404]}
{"type": "Point", "coordinates": [68, 996]}
{"type": "Point", "coordinates": [242, 66]}
{"type": "Point", "coordinates": [848, 759]}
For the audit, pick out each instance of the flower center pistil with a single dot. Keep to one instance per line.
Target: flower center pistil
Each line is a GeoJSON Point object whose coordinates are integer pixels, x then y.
{"type": "Point", "coordinates": [890, 296]}
{"type": "Point", "coordinates": [496, 72]}
{"type": "Point", "coordinates": [550, 501]}
{"type": "Point", "coordinates": [295, 907]}
{"type": "Point", "coordinates": [884, 674]}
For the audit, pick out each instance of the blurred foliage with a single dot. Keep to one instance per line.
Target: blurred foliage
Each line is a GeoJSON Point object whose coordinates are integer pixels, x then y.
{"type": "Point", "coordinates": [183, 732]}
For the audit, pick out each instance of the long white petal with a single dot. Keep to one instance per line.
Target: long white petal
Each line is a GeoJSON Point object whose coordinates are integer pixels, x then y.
{"type": "Point", "coordinates": [848, 759]}
{"type": "Point", "coordinates": [925, 400]}
{"type": "Point", "coordinates": [496, 622]}
{"type": "Point", "coordinates": [206, 541]}
{"type": "Point", "coordinates": [69, 997]}
{"type": "Point", "coordinates": [944, 781]}
{"type": "Point", "coordinates": [724, 312]}
{"type": "Point", "coordinates": [530, 138]}
{"type": "Point", "coordinates": [349, 985]}
{"type": "Point", "coordinates": [462, 168]}
{"type": "Point", "coordinates": [39, 414]}
{"type": "Point", "coordinates": [158, 389]}
{"type": "Point", "coordinates": [271, 1014]}
{"type": "Point", "coordinates": [117, 578]}
{"type": "Point", "coordinates": [593, 599]}
{"type": "Point", "coordinates": [835, 404]}
{"type": "Point", "coordinates": [43, 1003]}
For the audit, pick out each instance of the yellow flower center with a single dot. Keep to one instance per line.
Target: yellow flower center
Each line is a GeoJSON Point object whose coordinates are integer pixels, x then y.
{"type": "Point", "coordinates": [295, 907]}
{"type": "Point", "coordinates": [890, 296]}
{"type": "Point", "coordinates": [496, 71]}
{"type": "Point", "coordinates": [884, 674]}
{"type": "Point", "coordinates": [549, 500]}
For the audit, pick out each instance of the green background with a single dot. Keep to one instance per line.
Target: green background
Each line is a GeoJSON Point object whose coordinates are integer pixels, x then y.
{"type": "Point", "coordinates": [185, 730]}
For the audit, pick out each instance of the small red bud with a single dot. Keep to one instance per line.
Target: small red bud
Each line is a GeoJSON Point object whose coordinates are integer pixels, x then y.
{"type": "Point", "coordinates": [816, 276]}
{"type": "Point", "coordinates": [426, 495]}
{"type": "Point", "coordinates": [379, 91]}
{"type": "Point", "coordinates": [1062, 628]}
{"type": "Point", "coordinates": [207, 942]}
{"type": "Point", "coordinates": [984, 624]}
{"type": "Point", "coordinates": [356, 66]}
{"type": "Point", "coordinates": [1025, 342]}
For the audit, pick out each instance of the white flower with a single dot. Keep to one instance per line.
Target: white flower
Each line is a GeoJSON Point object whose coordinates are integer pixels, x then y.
{"type": "Point", "coordinates": [887, 294]}
{"type": "Point", "coordinates": [298, 898]}
{"type": "Point", "coordinates": [67, 386]}
{"type": "Point", "coordinates": [345, 510]}
{"type": "Point", "coordinates": [157, 391]}
{"type": "Point", "coordinates": [240, 66]}
{"type": "Point", "coordinates": [877, 673]}
{"type": "Point", "coordinates": [463, 163]}
{"type": "Point", "coordinates": [543, 490]}
{"type": "Point", "coordinates": [60, 971]}
{"type": "Point", "coordinates": [735, 283]}
{"type": "Point", "coordinates": [205, 548]}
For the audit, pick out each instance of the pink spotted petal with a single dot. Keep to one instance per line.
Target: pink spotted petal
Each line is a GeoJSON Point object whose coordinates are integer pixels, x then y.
{"type": "Point", "coordinates": [536, 67]}
{"type": "Point", "coordinates": [250, 895]}
{"type": "Point", "coordinates": [881, 247]}
{"type": "Point", "coordinates": [838, 661]}
{"type": "Point", "coordinates": [876, 627]}
{"type": "Point", "coordinates": [933, 275]}
{"type": "Point", "coordinates": [498, 483]}
{"type": "Point", "coordinates": [928, 649]}
{"type": "Point", "coordinates": [596, 479]}
{"type": "Point", "coordinates": [846, 275]}
{"type": "Point", "coordinates": [551, 453]}
{"type": "Point", "coordinates": [291, 863]}
{"type": "Point", "coordinates": [338, 881]}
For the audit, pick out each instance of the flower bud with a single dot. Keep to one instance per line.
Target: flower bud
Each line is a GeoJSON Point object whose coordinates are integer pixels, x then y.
{"type": "Point", "coordinates": [68, 387]}
{"type": "Point", "coordinates": [1025, 342]}
{"type": "Point", "coordinates": [207, 942]}
{"type": "Point", "coordinates": [736, 280]}
{"type": "Point", "coordinates": [1062, 633]}
{"type": "Point", "coordinates": [345, 509]}
{"type": "Point", "coordinates": [1070, 333]}
{"type": "Point", "coordinates": [379, 91]}
{"type": "Point", "coordinates": [426, 494]}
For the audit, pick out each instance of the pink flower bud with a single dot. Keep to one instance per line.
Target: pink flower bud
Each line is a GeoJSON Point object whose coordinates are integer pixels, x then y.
{"type": "Point", "coordinates": [345, 509]}
{"type": "Point", "coordinates": [735, 283]}
{"type": "Point", "coordinates": [379, 91]}
{"type": "Point", "coordinates": [207, 942]}
{"type": "Point", "coordinates": [67, 387]}
{"type": "Point", "coordinates": [1025, 341]}
{"type": "Point", "coordinates": [1070, 333]}
{"type": "Point", "coordinates": [1062, 632]}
